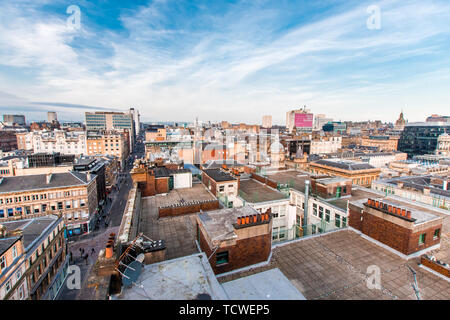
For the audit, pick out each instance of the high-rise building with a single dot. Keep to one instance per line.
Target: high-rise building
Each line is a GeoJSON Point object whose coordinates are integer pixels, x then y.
{"type": "Point", "coordinates": [51, 116]}
{"type": "Point", "coordinates": [267, 122]}
{"type": "Point", "coordinates": [320, 120]}
{"type": "Point", "coordinates": [301, 120]}
{"type": "Point", "coordinates": [14, 118]}
{"type": "Point", "coordinates": [106, 121]}
{"type": "Point", "coordinates": [137, 121]}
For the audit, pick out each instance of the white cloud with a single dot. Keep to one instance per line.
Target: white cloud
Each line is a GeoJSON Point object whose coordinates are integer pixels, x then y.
{"type": "Point", "coordinates": [234, 71]}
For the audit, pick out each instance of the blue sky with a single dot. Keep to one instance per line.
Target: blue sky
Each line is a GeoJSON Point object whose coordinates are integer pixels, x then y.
{"type": "Point", "coordinates": [226, 60]}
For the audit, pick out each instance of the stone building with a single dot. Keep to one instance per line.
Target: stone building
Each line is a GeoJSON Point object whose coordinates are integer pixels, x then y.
{"type": "Point", "coordinates": [73, 194]}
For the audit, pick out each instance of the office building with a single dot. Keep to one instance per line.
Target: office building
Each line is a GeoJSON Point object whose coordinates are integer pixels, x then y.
{"type": "Point", "coordinates": [14, 119]}
{"type": "Point", "coordinates": [107, 121]}
{"type": "Point", "coordinates": [421, 138]}
{"type": "Point", "coordinates": [267, 122]}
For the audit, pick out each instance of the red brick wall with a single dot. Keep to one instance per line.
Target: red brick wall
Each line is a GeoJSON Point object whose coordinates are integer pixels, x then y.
{"type": "Point", "coordinates": [393, 235]}
{"type": "Point", "coordinates": [436, 267]}
{"type": "Point", "coordinates": [187, 209]}
{"type": "Point", "coordinates": [264, 180]}
{"type": "Point", "coordinates": [206, 181]}
{"type": "Point", "coordinates": [246, 252]}
{"type": "Point", "coordinates": [162, 185]}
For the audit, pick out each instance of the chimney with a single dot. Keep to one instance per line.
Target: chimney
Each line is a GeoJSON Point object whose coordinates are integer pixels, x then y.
{"type": "Point", "coordinates": [88, 176]}
{"type": "Point", "coordinates": [3, 232]}
{"type": "Point", "coordinates": [48, 178]}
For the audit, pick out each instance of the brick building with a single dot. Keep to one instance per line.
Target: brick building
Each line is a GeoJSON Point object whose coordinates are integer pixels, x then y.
{"type": "Point", "coordinates": [220, 183]}
{"type": "Point", "coordinates": [405, 228]}
{"type": "Point", "coordinates": [8, 141]}
{"type": "Point", "coordinates": [160, 179]}
{"type": "Point", "coordinates": [234, 238]}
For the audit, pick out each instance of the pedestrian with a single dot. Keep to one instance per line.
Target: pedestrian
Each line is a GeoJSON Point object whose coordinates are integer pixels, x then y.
{"type": "Point", "coordinates": [86, 258]}
{"type": "Point", "coordinates": [70, 256]}
{"type": "Point", "coordinates": [92, 251]}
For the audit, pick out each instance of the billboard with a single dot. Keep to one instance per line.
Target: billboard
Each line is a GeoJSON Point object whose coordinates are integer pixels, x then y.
{"type": "Point", "coordinates": [303, 120]}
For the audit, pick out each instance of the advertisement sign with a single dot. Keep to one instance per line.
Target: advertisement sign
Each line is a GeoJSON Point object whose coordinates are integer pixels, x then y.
{"type": "Point", "coordinates": [303, 120]}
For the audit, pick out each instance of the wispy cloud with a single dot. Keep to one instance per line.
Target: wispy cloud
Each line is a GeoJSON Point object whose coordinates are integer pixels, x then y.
{"type": "Point", "coordinates": [175, 61]}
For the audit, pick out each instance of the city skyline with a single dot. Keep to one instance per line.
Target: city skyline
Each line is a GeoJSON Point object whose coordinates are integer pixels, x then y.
{"type": "Point", "coordinates": [174, 62]}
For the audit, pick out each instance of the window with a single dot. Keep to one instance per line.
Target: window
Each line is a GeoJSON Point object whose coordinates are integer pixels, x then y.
{"type": "Point", "coordinates": [222, 257]}
{"type": "Point", "coordinates": [18, 274]}
{"type": "Point", "coordinates": [8, 286]}
{"type": "Point", "coordinates": [422, 238]}
{"type": "Point", "coordinates": [2, 263]}
{"type": "Point", "coordinates": [315, 209]}
{"type": "Point", "coordinates": [282, 211]}
{"type": "Point", "coordinates": [337, 222]}
{"type": "Point", "coordinates": [313, 229]}
{"type": "Point", "coordinates": [14, 252]}
{"type": "Point", "coordinates": [282, 233]}
{"type": "Point", "coordinates": [221, 188]}
{"type": "Point", "coordinates": [436, 233]}
{"type": "Point", "coordinates": [321, 212]}
{"type": "Point", "coordinates": [21, 292]}
{"type": "Point", "coordinates": [275, 233]}
{"type": "Point", "coordinates": [344, 222]}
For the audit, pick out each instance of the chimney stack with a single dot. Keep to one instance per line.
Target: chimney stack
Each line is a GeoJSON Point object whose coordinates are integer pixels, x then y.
{"type": "Point", "coordinates": [2, 231]}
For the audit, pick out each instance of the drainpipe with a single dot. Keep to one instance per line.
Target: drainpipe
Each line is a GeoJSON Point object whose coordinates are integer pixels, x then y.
{"type": "Point", "coordinates": [305, 211]}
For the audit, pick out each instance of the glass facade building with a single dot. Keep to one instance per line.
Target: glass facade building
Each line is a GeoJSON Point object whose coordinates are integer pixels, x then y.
{"type": "Point", "coordinates": [421, 138]}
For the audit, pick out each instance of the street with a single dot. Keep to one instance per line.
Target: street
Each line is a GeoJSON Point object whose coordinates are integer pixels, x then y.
{"type": "Point", "coordinates": [95, 241]}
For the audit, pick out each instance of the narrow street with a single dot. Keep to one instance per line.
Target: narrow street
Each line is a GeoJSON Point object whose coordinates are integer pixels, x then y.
{"type": "Point", "coordinates": [95, 241]}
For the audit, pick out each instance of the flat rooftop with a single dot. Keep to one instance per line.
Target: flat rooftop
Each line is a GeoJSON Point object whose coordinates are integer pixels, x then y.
{"type": "Point", "coordinates": [178, 279]}
{"type": "Point", "coordinates": [198, 193]}
{"type": "Point", "coordinates": [267, 285]}
{"type": "Point", "coordinates": [253, 191]}
{"type": "Point", "coordinates": [178, 232]}
{"type": "Point", "coordinates": [419, 213]}
{"type": "Point", "coordinates": [334, 267]}
{"type": "Point", "coordinates": [219, 223]}
{"type": "Point", "coordinates": [295, 179]}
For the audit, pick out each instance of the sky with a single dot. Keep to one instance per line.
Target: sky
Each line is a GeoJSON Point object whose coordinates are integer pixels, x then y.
{"type": "Point", "coordinates": [226, 60]}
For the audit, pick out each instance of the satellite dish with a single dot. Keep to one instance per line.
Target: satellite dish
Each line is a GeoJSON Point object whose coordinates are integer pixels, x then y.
{"type": "Point", "coordinates": [131, 273]}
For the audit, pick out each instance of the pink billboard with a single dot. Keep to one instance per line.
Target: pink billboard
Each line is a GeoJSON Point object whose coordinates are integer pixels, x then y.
{"type": "Point", "coordinates": [303, 120]}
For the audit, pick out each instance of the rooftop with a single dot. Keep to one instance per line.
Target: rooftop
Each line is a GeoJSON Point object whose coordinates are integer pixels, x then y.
{"type": "Point", "coordinates": [39, 181]}
{"type": "Point", "coordinates": [178, 232]}
{"type": "Point", "coordinates": [32, 229]}
{"type": "Point", "coordinates": [6, 243]}
{"type": "Point", "coordinates": [253, 191]}
{"type": "Point", "coordinates": [419, 213]}
{"type": "Point", "coordinates": [267, 285]}
{"type": "Point", "coordinates": [179, 279]}
{"type": "Point", "coordinates": [219, 223]}
{"type": "Point", "coordinates": [334, 266]}
{"type": "Point", "coordinates": [218, 175]}
{"type": "Point", "coordinates": [345, 164]}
